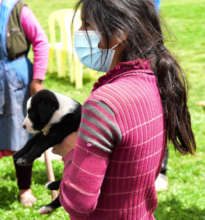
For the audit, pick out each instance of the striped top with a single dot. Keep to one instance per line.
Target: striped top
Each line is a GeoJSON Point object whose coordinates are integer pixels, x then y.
{"type": "Point", "coordinates": [119, 149]}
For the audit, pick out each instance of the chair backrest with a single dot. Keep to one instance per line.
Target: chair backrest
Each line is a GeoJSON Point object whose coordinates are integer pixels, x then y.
{"type": "Point", "coordinates": [71, 28]}
{"type": "Point", "coordinates": [63, 19]}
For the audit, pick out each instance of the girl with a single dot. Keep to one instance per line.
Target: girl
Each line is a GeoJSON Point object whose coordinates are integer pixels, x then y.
{"type": "Point", "coordinates": [132, 111]}
{"type": "Point", "coordinates": [18, 79]}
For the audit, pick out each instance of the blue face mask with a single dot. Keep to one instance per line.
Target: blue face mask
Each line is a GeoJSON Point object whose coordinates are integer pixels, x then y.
{"type": "Point", "coordinates": [89, 54]}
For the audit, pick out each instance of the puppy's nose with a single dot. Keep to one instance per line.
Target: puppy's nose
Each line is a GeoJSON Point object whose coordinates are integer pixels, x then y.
{"type": "Point", "coordinates": [24, 126]}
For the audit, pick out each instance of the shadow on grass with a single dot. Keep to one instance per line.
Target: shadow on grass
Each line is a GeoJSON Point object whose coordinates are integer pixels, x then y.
{"type": "Point", "coordinates": [39, 174]}
{"type": "Point", "coordinates": [7, 197]}
{"type": "Point", "coordinates": [66, 80]}
{"type": "Point", "coordinates": [9, 176]}
{"type": "Point", "coordinates": [54, 76]}
{"type": "Point", "coordinates": [173, 209]}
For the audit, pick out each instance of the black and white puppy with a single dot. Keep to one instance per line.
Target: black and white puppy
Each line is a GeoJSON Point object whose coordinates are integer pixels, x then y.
{"type": "Point", "coordinates": [51, 117]}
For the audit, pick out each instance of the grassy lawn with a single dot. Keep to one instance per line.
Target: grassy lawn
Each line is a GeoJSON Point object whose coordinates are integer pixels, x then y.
{"type": "Point", "coordinates": [185, 197]}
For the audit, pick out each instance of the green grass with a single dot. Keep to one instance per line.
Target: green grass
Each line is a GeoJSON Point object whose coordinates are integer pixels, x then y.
{"type": "Point", "coordinates": [185, 197]}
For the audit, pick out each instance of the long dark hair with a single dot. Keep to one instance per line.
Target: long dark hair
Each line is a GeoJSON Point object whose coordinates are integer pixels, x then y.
{"type": "Point", "coordinates": [140, 21]}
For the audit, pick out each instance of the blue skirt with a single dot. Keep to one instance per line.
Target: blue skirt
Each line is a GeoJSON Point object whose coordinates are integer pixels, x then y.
{"type": "Point", "coordinates": [15, 78]}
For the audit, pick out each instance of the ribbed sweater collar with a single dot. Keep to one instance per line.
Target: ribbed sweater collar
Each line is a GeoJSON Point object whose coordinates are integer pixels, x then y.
{"type": "Point", "coordinates": [122, 69]}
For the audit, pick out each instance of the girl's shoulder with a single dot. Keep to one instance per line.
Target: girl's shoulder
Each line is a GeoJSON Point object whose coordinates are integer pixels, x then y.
{"type": "Point", "coordinates": [133, 68]}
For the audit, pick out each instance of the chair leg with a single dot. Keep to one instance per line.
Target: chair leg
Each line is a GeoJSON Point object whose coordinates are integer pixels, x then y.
{"type": "Point", "coordinates": [60, 62]}
{"type": "Point", "coordinates": [50, 61]}
{"type": "Point", "coordinates": [63, 62]}
{"type": "Point", "coordinates": [78, 74]}
{"type": "Point", "coordinates": [72, 68]}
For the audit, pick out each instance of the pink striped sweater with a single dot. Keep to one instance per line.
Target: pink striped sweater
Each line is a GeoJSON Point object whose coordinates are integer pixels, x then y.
{"type": "Point", "coordinates": [119, 149]}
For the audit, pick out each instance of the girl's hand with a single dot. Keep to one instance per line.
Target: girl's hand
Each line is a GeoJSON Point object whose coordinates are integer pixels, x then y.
{"type": "Point", "coordinates": [66, 145]}
{"type": "Point", "coordinates": [35, 86]}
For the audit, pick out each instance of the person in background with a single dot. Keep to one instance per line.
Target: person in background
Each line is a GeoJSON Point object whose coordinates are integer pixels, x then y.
{"type": "Point", "coordinates": [134, 109]}
{"type": "Point", "coordinates": [18, 80]}
{"type": "Point", "coordinates": [157, 4]}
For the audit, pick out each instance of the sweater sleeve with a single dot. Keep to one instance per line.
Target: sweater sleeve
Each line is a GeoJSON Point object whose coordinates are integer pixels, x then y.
{"type": "Point", "coordinates": [37, 37]}
{"type": "Point", "coordinates": [83, 177]}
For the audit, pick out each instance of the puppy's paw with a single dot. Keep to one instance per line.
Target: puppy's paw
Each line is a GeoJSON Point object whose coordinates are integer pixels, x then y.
{"type": "Point", "coordinates": [45, 210]}
{"type": "Point", "coordinates": [53, 185]}
{"type": "Point", "coordinates": [23, 161]}
{"type": "Point", "coordinates": [48, 184]}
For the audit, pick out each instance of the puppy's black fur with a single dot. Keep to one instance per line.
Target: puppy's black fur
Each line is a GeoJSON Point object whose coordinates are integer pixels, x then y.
{"type": "Point", "coordinates": [42, 107]}
{"type": "Point", "coordinates": [55, 203]}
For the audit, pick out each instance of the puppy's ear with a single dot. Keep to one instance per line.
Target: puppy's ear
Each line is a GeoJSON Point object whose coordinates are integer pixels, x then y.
{"type": "Point", "coordinates": [46, 110]}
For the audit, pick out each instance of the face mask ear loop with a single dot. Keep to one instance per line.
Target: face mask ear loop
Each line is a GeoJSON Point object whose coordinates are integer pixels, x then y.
{"type": "Point", "coordinates": [112, 48]}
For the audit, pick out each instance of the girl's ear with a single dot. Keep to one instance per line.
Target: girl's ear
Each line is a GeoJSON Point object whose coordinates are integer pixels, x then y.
{"type": "Point", "coordinates": [116, 39]}
{"type": "Point", "coordinates": [121, 37]}
{"type": "Point", "coordinates": [45, 111]}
